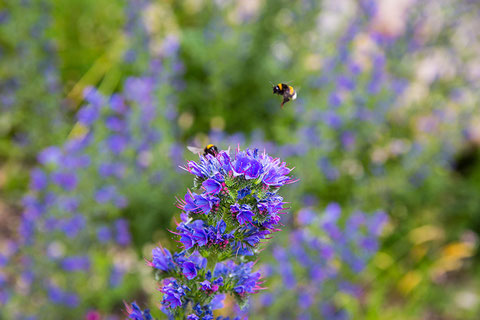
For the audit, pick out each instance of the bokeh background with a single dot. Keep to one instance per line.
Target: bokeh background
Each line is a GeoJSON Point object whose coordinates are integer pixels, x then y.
{"type": "Point", "coordinates": [99, 99]}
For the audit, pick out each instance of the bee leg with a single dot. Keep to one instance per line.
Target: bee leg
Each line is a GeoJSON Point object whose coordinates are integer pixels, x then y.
{"type": "Point", "coordinates": [285, 100]}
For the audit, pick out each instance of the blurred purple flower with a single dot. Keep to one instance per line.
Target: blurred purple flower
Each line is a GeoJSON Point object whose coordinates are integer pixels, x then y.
{"type": "Point", "coordinates": [122, 232]}
{"type": "Point", "coordinates": [104, 234]}
{"type": "Point", "coordinates": [65, 180]}
{"type": "Point", "coordinates": [106, 194]}
{"type": "Point", "coordinates": [348, 140]}
{"type": "Point", "coordinates": [73, 225]}
{"type": "Point", "coordinates": [38, 179]}
{"type": "Point", "coordinates": [116, 124]}
{"type": "Point", "coordinates": [87, 115]}
{"type": "Point", "coordinates": [112, 169]}
{"type": "Point", "coordinates": [76, 263]}
{"type": "Point", "coordinates": [116, 276]}
{"type": "Point", "coordinates": [334, 100]}
{"type": "Point", "coordinates": [332, 119]}
{"type": "Point", "coordinates": [117, 143]}
{"type": "Point", "coordinates": [50, 155]}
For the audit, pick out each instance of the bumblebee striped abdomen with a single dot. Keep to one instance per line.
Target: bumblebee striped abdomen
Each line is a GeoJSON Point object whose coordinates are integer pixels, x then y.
{"type": "Point", "coordinates": [288, 92]}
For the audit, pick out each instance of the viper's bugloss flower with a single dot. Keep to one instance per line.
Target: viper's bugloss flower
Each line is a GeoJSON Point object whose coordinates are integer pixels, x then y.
{"type": "Point", "coordinates": [185, 270]}
{"type": "Point", "coordinates": [196, 203]}
{"type": "Point", "coordinates": [243, 193]}
{"type": "Point", "coordinates": [189, 270]}
{"type": "Point", "coordinates": [162, 259]}
{"type": "Point", "coordinates": [135, 313]}
{"type": "Point", "coordinates": [245, 214]}
{"type": "Point", "coordinates": [234, 207]}
{"type": "Point", "coordinates": [173, 294]}
{"type": "Point", "coordinates": [212, 186]}
{"type": "Point", "coordinates": [249, 164]}
{"type": "Point", "coordinates": [208, 286]}
{"type": "Point", "coordinates": [245, 280]}
{"type": "Point", "coordinates": [199, 234]}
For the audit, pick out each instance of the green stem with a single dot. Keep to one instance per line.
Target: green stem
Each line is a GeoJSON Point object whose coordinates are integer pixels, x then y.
{"type": "Point", "coordinates": [212, 260]}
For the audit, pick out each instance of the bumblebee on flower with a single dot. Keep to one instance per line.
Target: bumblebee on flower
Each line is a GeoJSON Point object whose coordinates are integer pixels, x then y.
{"type": "Point", "coordinates": [233, 207]}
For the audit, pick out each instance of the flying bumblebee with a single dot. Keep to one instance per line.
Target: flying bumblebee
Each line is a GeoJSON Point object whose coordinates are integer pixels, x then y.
{"type": "Point", "coordinates": [209, 149]}
{"type": "Point", "coordinates": [286, 91]}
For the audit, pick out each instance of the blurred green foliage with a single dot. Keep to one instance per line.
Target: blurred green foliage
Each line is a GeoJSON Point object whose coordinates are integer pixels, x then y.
{"type": "Point", "coordinates": [230, 52]}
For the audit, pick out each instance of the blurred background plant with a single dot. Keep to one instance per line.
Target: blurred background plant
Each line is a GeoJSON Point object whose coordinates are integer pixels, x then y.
{"type": "Point", "coordinates": [102, 97]}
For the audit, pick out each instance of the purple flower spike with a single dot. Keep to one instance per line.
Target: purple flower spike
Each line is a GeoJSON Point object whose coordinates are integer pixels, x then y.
{"type": "Point", "coordinates": [233, 188]}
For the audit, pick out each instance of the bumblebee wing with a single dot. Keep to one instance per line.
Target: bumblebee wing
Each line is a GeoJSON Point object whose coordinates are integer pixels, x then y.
{"type": "Point", "coordinates": [195, 150]}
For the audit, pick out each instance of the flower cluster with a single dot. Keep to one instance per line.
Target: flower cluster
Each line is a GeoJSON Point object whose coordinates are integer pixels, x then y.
{"type": "Point", "coordinates": [188, 280]}
{"type": "Point", "coordinates": [236, 208]}
{"type": "Point", "coordinates": [135, 313]}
